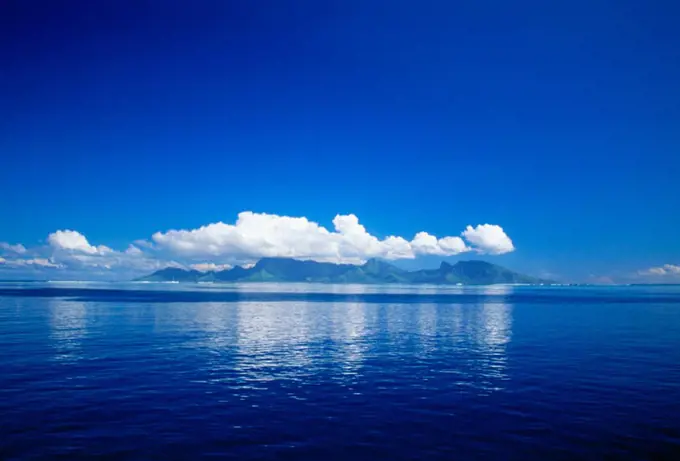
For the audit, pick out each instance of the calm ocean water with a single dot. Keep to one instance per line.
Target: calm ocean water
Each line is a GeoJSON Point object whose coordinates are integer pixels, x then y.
{"type": "Point", "coordinates": [338, 372]}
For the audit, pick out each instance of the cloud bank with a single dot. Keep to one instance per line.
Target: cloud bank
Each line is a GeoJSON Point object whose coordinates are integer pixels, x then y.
{"type": "Point", "coordinates": [17, 249]}
{"type": "Point", "coordinates": [251, 237]}
{"type": "Point", "coordinates": [665, 270]}
{"type": "Point", "coordinates": [19, 262]}
{"type": "Point", "coordinates": [257, 235]}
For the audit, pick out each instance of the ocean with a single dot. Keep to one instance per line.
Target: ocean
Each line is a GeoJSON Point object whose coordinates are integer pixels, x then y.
{"type": "Point", "coordinates": [348, 372]}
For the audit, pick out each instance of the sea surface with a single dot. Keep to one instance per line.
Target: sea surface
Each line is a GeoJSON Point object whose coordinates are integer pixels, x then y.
{"type": "Point", "coordinates": [320, 372]}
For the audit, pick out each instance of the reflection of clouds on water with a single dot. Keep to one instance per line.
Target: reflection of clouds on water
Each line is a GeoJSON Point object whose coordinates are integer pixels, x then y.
{"type": "Point", "coordinates": [267, 341]}
{"type": "Point", "coordinates": [295, 342]}
{"type": "Point", "coordinates": [494, 334]}
{"type": "Point", "coordinates": [495, 325]}
{"type": "Point", "coordinates": [271, 287]}
{"type": "Point", "coordinates": [217, 324]}
{"type": "Point", "coordinates": [480, 334]}
{"type": "Point", "coordinates": [274, 340]}
{"type": "Point", "coordinates": [427, 328]}
{"type": "Point", "coordinates": [496, 289]}
{"type": "Point", "coordinates": [68, 322]}
{"type": "Point", "coordinates": [349, 333]}
{"type": "Point", "coordinates": [427, 319]}
{"type": "Point", "coordinates": [408, 322]}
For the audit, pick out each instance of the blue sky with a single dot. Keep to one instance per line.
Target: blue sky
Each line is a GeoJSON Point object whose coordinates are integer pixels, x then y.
{"type": "Point", "coordinates": [557, 123]}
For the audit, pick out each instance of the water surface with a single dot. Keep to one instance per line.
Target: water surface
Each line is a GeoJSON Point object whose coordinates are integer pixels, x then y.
{"type": "Point", "coordinates": [160, 371]}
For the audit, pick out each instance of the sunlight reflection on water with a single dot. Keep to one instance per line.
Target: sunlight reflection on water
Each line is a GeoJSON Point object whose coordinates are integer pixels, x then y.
{"type": "Point", "coordinates": [264, 342]}
{"type": "Point", "coordinates": [68, 321]}
{"type": "Point", "coordinates": [439, 367]}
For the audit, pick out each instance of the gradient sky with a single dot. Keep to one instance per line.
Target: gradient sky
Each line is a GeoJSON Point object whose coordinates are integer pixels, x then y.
{"type": "Point", "coordinates": [558, 121]}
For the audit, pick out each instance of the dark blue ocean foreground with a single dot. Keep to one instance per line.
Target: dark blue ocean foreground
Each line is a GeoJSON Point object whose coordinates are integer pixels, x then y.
{"type": "Point", "coordinates": [163, 371]}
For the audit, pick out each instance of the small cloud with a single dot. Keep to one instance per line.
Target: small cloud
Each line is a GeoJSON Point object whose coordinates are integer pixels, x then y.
{"type": "Point", "coordinates": [133, 250]}
{"type": "Point", "coordinates": [665, 270]}
{"type": "Point", "coordinates": [601, 280]}
{"type": "Point", "coordinates": [424, 243]}
{"type": "Point", "coordinates": [489, 238]}
{"type": "Point", "coordinates": [18, 248]}
{"type": "Point", "coordinates": [208, 267]}
{"type": "Point", "coordinates": [42, 262]}
{"type": "Point", "coordinates": [71, 240]}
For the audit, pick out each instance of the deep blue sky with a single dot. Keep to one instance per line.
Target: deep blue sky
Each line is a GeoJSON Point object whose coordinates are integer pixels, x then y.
{"type": "Point", "coordinates": [560, 123]}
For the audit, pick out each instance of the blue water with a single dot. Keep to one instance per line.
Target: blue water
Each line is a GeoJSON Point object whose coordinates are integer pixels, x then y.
{"type": "Point", "coordinates": [322, 372]}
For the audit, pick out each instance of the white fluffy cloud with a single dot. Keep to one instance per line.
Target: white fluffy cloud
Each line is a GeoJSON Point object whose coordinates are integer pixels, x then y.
{"type": "Point", "coordinates": [207, 267]}
{"type": "Point", "coordinates": [257, 235]}
{"type": "Point", "coordinates": [133, 250]}
{"type": "Point", "coordinates": [488, 238]}
{"type": "Point", "coordinates": [253, 236]}
{"type": "Point", "coordinates": [71, 240]}
{"type": "Point", "coordinates": [666, 269]}
{"type": "Point", "coordinates": [18, 248]}
{"type": "Point", "coordinates": [426, 244]}
{"type": "Point", "coordinates": [42, 262]}
{"type": "Point", "coordinates": [72, 249]}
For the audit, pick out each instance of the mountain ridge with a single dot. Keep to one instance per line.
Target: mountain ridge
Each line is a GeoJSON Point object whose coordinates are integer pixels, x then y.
{"type": "Point", "coordinates": [469, 272]}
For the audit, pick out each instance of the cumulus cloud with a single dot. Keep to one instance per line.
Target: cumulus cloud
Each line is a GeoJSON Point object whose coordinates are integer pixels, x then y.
{"type": "Point", "coordinates": [71, 240]}
{"type": "Point", "coordinates": [426, 244]}
{"type": "Point", "coordinates": [219, 246]}
{"type": "Point", "coordinates": [488, 238]}
{"type": "Point", "coordinates": [72, 249]}
{"type": "Point", "coordinates": [672, 268]}
{"type": "Point", "coordinates": [42, 262]}
{"type": "Point", "coordinates": [207, 267]}
{"type": "Point", "coordinates": [666, 269]}
{"type": "Point", "coordinates": [257, 235]}
{"type": "Point", "coordinates": [142, 244]}
{"type": "Point", "coordinates": [18, 248]}
{"type": "Point", "coordinates": [133, 250]}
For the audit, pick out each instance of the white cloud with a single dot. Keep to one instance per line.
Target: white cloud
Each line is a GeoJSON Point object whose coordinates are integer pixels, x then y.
{"type": "Point", "coordinates": [672, 268]}
{"type": "Point", "coordinates": [130, 259]}
{"type": "Point", "coordinates": [257, 235]}
{"type": "Point", "coordinates": [424, 243]}
{"type": "Point", "coordinates": [207, 267]}
{"type": "Point", "coordinates": [72, 249]}
{"type": "Point", "coordinates": [488, 238]}
{"type": "Point", "coordinates": [666, 269]}
{"type": "Point", "coordinates": [253, 236]}
{"type": "Point", "coordinates": [42, 262]}
{"type": "Point", "coordinates": [350, 243]}
{"type": "Point", "coordinates": [18, 248]}
{"type": "Point", "coordinates": [71, 240]}
{"type": "Point", "coordinates": [133, 250]}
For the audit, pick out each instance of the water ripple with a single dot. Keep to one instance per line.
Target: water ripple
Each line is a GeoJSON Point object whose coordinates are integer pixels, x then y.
{"type": "Point", "coordinates": [472, 374]}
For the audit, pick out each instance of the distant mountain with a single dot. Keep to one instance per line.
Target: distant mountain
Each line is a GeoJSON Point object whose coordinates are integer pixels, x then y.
{"type": "Point", "coordinates": [173, 274]}
{"type": "Point", "coordinates": [374, 271]}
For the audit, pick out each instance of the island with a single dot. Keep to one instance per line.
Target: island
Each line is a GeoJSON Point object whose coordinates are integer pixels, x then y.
{"type": "Point", "coordinates": [374, 271]}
